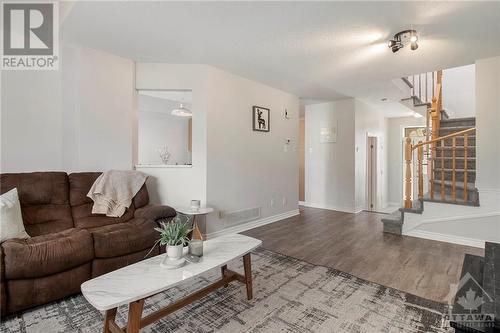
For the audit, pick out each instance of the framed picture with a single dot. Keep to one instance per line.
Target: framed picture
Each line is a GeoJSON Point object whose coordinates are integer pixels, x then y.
{"type": "Point", "coordinates": [261, 119]}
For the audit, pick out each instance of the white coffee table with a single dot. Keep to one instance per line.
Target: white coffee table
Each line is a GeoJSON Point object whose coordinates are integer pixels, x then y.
{"type": "Point", "coordinates": [194, 213]}
{"type": "Point", "coordinates": [133, 284]}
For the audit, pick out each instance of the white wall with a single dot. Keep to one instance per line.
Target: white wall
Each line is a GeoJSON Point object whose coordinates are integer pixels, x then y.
{"type": "Point", "coordinates": [157, 127]}
{"type": "Point", "coordinates": [31, 121]}
{"type": "Point", "coordinates": [75, 119]}
{"type": "Point", "coordinates": [370, 122]}
{"type": "Point", "coordinates": [245, 168]}
{"type": "Point", "coordinates": [330, 167]}
{"type": "Point", "coordinates": [104, 104]}
{"type": "Point", "coordinates": [488, 123]}
{"type": "Point", "coordinates": [459, 91]}
{"type": "Point", "coordinates": [176, 186]}
{"type": "Point", "coordinates": [395, 156]}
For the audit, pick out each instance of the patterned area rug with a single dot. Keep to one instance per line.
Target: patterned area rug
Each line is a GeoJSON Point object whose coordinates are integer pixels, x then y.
{"type": "Point", "coordinates": [290, 295]}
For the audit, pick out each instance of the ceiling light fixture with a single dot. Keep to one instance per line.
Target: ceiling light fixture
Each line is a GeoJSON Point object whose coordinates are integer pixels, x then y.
{"type": "Point", "coordinates": [403, 38]}
{"type": "Point", "coordinates": [182, 111]}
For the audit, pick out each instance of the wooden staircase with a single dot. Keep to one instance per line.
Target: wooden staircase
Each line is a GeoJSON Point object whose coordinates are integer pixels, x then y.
{"type": "Point", "coordinates": [452, 158]}
{"type": "Point", "coordinates": [449, 154]}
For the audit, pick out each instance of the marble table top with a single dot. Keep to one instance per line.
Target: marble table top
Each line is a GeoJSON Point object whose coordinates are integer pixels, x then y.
{"type": "Point", "coordinates": [147, 277]}
{"type": "Point", "coordinates": [189, 211]}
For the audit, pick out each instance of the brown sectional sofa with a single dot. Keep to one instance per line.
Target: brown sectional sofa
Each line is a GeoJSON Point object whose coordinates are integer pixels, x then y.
{"type": "Point", "coordinates": [68, 243]}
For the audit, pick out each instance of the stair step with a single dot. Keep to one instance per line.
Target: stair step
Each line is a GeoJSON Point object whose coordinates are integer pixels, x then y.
{"type": "Point", "coordinates": [459, 162]}
{"type": "Point", "coordinates": [459, 151]}
{"type": "Point", "coordinates": [491, 281]}
{"type": "Point", "coordinates": [393, 223]}
{"type": "Point", "coordinates": [457, 171]}
{"type": "Point", "coordinates": [472, 192]}
{"type": "Point", "coordinates": [459, 141]}
{"type": "Point", "coordinates": [473, 265]}
{"type": "Point", "coordinates": [453, 129]}
{"type": "Point", "coordinates": [449, 200]}
{"type": "Point", "coordinates": [458, 185]}
{"type": "Point", "coordinates": [459, 174]}
{"type": "Point", "coordinates": [469, 121]}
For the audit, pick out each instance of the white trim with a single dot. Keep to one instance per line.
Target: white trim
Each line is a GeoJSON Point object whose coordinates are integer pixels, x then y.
{"type": "Point", "coordinates": [253, 224]}
{"type": "Point", "coordinates": [329, 207]}
{"type": "Point", "coordinates": [460, 218]}
{"type": "Point", "coordinates": [446, 238]}
{"type": "Point", "coordinates": [302, 203]}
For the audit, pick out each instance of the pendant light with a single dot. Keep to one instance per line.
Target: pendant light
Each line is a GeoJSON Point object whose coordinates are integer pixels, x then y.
{"type": "Point", "coordinates": [182, 111]}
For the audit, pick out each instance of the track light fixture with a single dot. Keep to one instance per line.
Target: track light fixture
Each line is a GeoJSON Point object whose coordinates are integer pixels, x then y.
{"type": "Point", "coordinates": [402, 38]}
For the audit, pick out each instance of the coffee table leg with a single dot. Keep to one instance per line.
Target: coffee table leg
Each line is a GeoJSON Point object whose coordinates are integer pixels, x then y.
{"type": "Point", "coordinates": [134, 316]}
{"type": "Point", "coordinates": [110, 315]}
{"type": "Point", "coordinates": [247, 263]}
{"type": "Point", "coordinates": [223, 270]}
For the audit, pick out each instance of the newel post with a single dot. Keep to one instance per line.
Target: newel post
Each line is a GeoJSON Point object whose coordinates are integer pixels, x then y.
{"type": "Point", "coordinates": [408, 173]}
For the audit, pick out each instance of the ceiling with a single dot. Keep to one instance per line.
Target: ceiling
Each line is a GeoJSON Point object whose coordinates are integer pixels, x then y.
{"type": "Point", "coordinates": [318, 51]}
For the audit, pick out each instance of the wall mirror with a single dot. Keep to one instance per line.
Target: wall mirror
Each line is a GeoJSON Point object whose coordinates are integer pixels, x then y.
{"type": "Point", "coordinates": [165, 127]}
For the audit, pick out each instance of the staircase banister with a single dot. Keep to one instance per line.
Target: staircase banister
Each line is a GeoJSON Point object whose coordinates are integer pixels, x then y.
{"type": "Point", "coordinates": [448, 136]}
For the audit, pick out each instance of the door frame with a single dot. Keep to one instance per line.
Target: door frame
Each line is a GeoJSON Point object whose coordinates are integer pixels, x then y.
{"type": "Point", "coordinates": [372, 166]}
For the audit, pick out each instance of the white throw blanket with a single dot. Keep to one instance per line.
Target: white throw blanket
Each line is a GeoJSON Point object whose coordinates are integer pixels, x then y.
{"type": "Point", "coordinates": [114, 190]}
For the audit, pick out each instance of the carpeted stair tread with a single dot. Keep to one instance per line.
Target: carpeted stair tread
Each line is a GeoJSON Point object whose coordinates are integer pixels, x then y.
{"type": "Point", "coordinates": [491, 281]}
{"type": "Point", "coordinates": [459, 185]}
{"type": "Point", "coordinates": [449, 200]}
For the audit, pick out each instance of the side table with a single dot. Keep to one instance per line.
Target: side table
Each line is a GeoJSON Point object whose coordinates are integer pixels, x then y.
{"type": "Point", "coordinates": [193, 214]}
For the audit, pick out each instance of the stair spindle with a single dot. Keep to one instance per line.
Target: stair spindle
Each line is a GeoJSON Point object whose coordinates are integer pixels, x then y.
{"type": "Point", "coordinates": [420, 172]}
{"type": "Point", "coordinates": [442, 170]}
{"type": "Point", "coordinates": [408, 153]}
{"type": "Point", "coordinates": [466, 136]}
{"type": "Point", "coordinates": [453, 167]}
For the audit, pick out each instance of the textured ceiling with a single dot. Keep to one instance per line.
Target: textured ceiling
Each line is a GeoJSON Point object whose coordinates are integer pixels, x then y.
{"type": "Point", "coordinates": [316, 50]}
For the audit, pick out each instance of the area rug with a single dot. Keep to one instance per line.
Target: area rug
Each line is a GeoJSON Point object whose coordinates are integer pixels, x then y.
{"type": "Point", "coordinates": [290, 295]}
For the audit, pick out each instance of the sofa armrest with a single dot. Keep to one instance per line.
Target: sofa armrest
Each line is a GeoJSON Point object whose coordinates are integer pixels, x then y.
{"type": "Point", "coordinates": [155, 212]}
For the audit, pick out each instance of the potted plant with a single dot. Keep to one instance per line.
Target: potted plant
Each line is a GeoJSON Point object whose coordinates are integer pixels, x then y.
{"type": "Point", "coordinates": [173, 235]}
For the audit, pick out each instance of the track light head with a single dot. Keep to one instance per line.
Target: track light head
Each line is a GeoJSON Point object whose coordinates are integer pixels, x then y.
{"type": "Point", "coordinates": [401, 39]}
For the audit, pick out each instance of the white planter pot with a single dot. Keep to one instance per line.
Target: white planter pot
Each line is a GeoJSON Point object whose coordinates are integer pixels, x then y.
{"type": "Point", "coordinates": [174, 252]}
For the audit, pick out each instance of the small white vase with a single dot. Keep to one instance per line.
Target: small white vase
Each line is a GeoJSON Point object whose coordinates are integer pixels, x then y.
{"type": "Point", "coordinates": [174, 252]}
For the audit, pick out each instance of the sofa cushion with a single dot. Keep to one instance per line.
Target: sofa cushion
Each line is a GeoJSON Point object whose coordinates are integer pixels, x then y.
{"type": "Point", "coordinates": [11, 219]}
{"type": "Point", "coordinates": [123, 238]}
{"type": "Point", "coordinates": [81, 205]}
{"type": "Point", "coordinates": [44, 199]}
{"type": "Point", "coordinates": [47, 254]}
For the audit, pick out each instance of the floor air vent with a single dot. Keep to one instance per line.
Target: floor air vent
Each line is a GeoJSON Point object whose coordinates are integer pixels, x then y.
{"type": "Point", "coordinates": [240, 216]}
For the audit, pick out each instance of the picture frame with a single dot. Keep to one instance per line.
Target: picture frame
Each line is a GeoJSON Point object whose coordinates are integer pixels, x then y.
{"type": "Point", "coordinates": [261, 119]}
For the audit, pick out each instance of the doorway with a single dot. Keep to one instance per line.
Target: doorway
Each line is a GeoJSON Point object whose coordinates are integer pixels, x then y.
{"type": "Point", "coordinates": [371, 173]}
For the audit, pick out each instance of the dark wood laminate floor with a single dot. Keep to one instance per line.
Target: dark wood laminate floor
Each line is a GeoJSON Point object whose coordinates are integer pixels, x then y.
{"type": "Point", "coordinates": [355, 243]}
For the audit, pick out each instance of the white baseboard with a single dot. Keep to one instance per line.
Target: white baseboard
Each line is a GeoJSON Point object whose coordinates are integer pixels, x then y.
{"type": "Point", "coordinates": [253, 224]}
{"type": "Point", "coordinates": [446, 238]}
{"type": "Point", "coordinates": [329, 207]}
{"type": "Point", "coordinates": [302, 203]}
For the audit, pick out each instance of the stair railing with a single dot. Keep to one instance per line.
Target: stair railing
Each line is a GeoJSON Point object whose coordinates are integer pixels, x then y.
{"type": "Point", "coordinates": [436, 143]}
